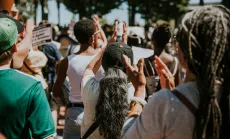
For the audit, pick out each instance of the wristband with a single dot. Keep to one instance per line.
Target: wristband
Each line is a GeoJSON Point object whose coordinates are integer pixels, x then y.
{"type": "Point", "coordinates": [140, 100]}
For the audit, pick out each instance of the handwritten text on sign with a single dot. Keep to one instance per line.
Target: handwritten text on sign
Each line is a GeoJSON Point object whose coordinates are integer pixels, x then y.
{"type": "Point", "coordinates": [42, 34]}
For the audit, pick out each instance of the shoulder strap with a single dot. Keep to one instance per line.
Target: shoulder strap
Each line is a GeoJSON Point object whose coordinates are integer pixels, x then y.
{"type": "Point", "coordinates": [70, 50]}
{"type": "Point", "coordinates": [148, 68]}
{"type": "Point", "coordinates": [185, 101]}
{"type": "Point", "coordinates": [174, 66]}
{"type": "Point", "coordinates": [33, 72]}
{"type": "Point", "coordinates": [92, 128]}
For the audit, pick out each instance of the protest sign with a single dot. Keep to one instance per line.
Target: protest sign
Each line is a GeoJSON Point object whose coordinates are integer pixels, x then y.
{"type": "Point", "coordinates": [42, 34]}
{"type": "Point", "coordinates": [139, 53]}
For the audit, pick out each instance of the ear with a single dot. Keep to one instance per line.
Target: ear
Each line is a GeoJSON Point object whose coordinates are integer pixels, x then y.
{"type": "Point", "coordinates": [91, 40]}
{"type": "Point", "coordinates": [15, 48]}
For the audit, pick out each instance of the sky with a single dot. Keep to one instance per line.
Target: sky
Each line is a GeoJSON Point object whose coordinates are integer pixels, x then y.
{"type": "Point", "coordinates": [66, 15]}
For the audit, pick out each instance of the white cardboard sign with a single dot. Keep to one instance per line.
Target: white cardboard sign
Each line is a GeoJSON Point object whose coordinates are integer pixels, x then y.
{"type": "Point", "coordinates": [139, 53]}
{"type": "Point", "coordinates": [42, 34]}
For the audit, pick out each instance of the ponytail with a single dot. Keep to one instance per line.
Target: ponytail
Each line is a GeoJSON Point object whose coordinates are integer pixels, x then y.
{"type": "Point", "coordinates": [112, 105]}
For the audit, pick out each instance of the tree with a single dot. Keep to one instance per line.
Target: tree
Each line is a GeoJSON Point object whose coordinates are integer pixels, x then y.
{"type": "Point", "coordinates": [226, 3]}
{"type": "Point", "coordinates": [201, 2]}
{"type": "Point", "coordinates": [26, 9]}
{"type": "Point", "coordinates": [86, 8]}
{"type": "Point", "coordinates": [133, 5]}
{"type": "Point", "coordinates": [162, 9]}
{"type": "Point", "coordinates": [58, 7]}
{"type": "Point", "coordinates": [35, 10]}
{"type": "Point", "coordinates": [156, 9]}
{"type": "Point", "coordinates": [44, 7]}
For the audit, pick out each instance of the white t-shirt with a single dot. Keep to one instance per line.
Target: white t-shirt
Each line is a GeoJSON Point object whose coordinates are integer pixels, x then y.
{"type": "Point", "coordinates": [90, 92]}
{"type": "Point", "coordinates": [165, 116]}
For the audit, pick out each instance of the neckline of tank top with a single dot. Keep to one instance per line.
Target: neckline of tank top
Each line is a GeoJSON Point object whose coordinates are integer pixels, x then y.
{"type": "Point", "coordinates": [83, 55]}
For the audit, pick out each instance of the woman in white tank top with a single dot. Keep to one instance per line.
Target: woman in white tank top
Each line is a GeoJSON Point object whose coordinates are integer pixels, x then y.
{"type": "Point", "coordinates": [74, 66]}
{"type": "Point", "coordinates": [77, 65]}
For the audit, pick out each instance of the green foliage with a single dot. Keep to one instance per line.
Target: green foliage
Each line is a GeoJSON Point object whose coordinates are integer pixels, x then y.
{"type": "Point", "coordinates": [25, 7]}
{"type": "Point", "coordinates": [86, 8]}
{"type": "Point", "coordinates": [162, 9]}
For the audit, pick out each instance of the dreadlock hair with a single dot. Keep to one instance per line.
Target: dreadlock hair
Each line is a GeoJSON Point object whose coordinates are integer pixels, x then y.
{"type": "Point", "coordinates": [204, 39]}
{"type": "Point", "coordinates": [112, 105]}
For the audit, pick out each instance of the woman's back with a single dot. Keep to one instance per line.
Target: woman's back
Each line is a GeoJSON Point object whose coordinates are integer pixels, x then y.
{"type": "Point", "coordinates": [76, 67]}
{"type": "Point", "coordinates": [166, 116]}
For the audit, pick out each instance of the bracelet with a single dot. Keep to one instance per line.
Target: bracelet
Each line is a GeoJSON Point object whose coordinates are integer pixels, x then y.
{"type": "Point", "coordinates": [135, 103]}
{"type": "Point", "coordinates": [135, 109]}
{"type": "Point", "coordinates": [140, 100]}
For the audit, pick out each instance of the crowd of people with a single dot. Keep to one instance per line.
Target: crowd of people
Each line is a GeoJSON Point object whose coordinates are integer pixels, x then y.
{"type": "Point", "coordinates": [179, 92]}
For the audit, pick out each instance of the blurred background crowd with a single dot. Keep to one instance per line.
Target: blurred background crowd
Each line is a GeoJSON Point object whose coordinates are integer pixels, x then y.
{"type": "Point", "coordinates": [143, 16]}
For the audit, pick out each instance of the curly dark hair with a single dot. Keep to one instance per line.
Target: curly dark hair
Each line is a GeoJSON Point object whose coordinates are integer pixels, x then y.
{"type": "Point", "coordinates": [204, 39]}
{"type": "Point", "coordinates": [83, 30]}
{"type": "Point", "coordinates": [112, 105]}
{"type": "Point", "coordinates": [161, 35]}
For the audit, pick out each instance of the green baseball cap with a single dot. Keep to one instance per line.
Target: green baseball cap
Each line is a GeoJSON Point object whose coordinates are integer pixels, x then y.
{"type": "Point", "coordinates": [8, 34]}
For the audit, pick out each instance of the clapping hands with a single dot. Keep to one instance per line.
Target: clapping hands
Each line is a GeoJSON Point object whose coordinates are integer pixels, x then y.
{"type": "Point", "coordinates": [136, 76]}
{"type": "Point", "coordinates": [166, 77]}
{"type": "Point", "coordinates": [114, 36]}
{"type": "Point", "coordinates": [96, 20]}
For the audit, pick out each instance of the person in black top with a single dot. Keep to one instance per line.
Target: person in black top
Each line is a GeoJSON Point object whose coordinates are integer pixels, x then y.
{"type": "Point", "coordinates": [160, 39]}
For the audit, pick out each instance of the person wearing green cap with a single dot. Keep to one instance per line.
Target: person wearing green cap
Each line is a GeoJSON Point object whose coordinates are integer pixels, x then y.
{"type": "Point", "coordinates": [25, 42]}
{"type": "Point", "coordinates": [24, 109]}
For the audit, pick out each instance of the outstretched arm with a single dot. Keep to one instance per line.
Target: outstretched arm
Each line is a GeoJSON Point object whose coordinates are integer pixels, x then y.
{"type": "Point", "coordinates": [102, 33]}
{"type": "Point", "coordinates": [24, 46]}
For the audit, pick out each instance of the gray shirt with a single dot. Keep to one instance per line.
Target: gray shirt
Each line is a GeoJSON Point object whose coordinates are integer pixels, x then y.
{"type": "Point", "coordinates": [165, 117]}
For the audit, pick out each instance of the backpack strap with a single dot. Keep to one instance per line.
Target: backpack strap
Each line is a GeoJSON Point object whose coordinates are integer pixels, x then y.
{"type": "Point", "coordinates": [185, 101]}
{"type": "Point", "coordinates": [92, 128]}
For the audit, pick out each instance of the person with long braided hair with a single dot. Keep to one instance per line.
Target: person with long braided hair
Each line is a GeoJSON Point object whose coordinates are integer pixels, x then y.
{"type": "Point", "coordinates": [200, 107]}
{"type": "Point", "coordinates": [106, 102]}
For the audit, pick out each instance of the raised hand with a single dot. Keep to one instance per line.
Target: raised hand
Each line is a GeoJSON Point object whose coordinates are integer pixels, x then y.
{"type": "Point", "coordinates": [114, 36]}
{"type": "Point", "coordinates": [96, 21]}
{"type": "Point", "coordinates": [136, 76]}
{"type": "Point", "coordinates": [166, 77]}
{"type": "Point", "coordinates": [29, 26]}
{"type": "Point", "coordinates": [15, 12]}
{"type": "Point", "coordinates": [124, 34]}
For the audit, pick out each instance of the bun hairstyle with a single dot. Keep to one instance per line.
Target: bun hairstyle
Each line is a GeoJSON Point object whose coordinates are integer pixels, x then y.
{"type": "Point", "coordinates": [204, 39]}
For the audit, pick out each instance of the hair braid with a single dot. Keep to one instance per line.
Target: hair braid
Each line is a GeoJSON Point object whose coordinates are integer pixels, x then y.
{"type": "Point", "coordinates": [204, 40]}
